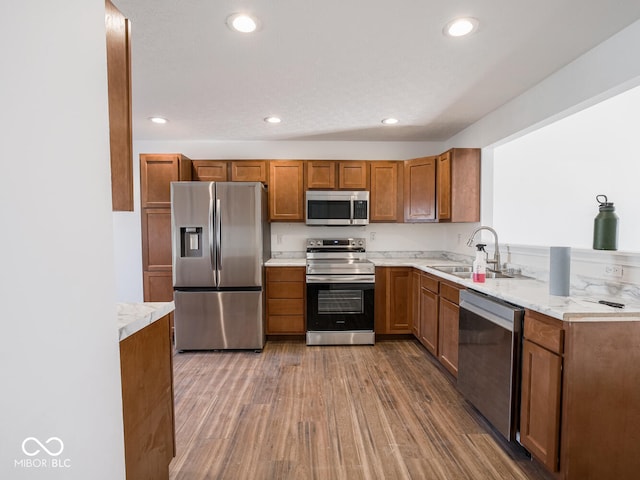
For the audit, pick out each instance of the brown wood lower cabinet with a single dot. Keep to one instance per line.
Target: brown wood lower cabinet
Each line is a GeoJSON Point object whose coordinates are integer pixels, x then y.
{"type": "Point", "coordinates": [146, 367]}
{"type": "Point", "coordinates": [448, 326]}
{"type": "Point", "coordinates": [435, 316]}
{"type": "Point", "coordinates": [540, 408]}
{"type": "Point", "coordinates": [580, 396]}
{"type": "Point", "coordinates": [285, 300]}
{"type": "Point", "coordinates": [393, 300]}
{"type": "Point", "coordinates": [429, 312]}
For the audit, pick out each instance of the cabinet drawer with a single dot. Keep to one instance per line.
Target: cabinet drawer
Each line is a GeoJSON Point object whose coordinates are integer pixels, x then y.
{"type": "Point", "coordinates": [286, 274]}
{"type": "Point", "coordinates": [429, 282]}
{"type": "Point", "coordinates": [285, 290]}
{"type": "Point", "coordinates": [544, 331]}
{"type": "Point", "coordinates": [285, 324]}
{"type": "Point", "coordinates": [450, 292]}
{"type": "Point", "coordinates": [285, 306]}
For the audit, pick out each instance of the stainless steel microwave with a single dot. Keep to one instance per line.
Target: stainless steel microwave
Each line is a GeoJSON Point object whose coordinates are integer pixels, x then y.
{"type": "Point", "coordinates": [337, 207]}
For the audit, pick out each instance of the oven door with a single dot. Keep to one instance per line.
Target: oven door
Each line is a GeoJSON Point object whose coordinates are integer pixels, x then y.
{"type": "Point", "coordinates": [339, 306]}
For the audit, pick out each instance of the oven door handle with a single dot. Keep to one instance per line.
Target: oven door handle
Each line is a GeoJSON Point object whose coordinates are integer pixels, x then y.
{"type": "Point", "coordinates": [341, 278]}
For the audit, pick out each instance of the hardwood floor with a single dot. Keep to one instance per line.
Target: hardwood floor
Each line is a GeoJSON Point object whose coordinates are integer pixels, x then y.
{"type": "Point", "coordinates": [347, 412]}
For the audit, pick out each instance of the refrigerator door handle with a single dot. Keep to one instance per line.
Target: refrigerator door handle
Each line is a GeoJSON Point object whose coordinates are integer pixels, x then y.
{"type": "Point", "coordinates": [212, 219]}
{"type": "Point", "coordinates": [218, 239]}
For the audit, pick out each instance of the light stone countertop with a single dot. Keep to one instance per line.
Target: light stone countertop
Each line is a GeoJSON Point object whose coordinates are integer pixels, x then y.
{"type": "Point", "coordinates": [133, 317]}
{"type": "Point", "coordinates": [529, 293]}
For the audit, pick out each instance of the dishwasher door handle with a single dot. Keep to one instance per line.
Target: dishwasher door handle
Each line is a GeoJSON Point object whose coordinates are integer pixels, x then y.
{"type": "Point", "coordinates": [489, 316]}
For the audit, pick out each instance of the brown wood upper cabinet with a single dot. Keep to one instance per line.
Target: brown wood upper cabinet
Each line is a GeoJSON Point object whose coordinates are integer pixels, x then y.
{"type": "Point", "coordinates": [458, 185]}
{"type": "Point", "coordinates": [386, 192]}
{"type": "Point", "coordinates": [353, 175]}
{"type": "Point", "coordinates": [118, 33]}
{"type": "Point", "coordinates": [210, 170]}
{"type": "Point", "coordinates": [157, 171]}
{"type": "Point", "coordinates": [286, 190]}
{"type": "Point", "coordinates": [249, 171]}
{"type": "Point", "coordinates": [420, 190]}
{"type": "Point", "coordinates": [321, 175]}
{"type": "Point", "coordinates": [337, 174]}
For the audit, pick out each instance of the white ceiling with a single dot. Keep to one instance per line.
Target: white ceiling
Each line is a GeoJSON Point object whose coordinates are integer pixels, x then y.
{"type": "Point", "coordinates": [333, 69]}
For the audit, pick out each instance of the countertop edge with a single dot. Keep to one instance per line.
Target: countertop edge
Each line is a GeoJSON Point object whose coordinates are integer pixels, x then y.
{"type": "Point", "coordinates": [133, 317]}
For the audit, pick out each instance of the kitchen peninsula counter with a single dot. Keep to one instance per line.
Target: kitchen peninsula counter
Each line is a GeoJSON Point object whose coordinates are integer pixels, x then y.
{"type": "Point", "coordinates": [146, 368]}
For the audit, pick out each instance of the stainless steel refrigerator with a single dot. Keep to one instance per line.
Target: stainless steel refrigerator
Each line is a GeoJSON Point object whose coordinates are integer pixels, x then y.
{"type": "Point", "coordinates": [220, 241]}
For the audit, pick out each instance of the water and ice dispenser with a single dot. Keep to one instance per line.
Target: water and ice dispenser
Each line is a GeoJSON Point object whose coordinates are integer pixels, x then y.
{"type": "Point", "coordinates": [190, 241]}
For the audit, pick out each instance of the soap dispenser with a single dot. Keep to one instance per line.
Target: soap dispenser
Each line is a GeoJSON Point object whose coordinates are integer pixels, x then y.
{"type": "Point", "coordinates": [480, 264]}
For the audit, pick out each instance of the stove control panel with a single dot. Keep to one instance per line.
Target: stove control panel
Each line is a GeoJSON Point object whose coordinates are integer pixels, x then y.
{"type": "Point", "coordinates": [337, 243]}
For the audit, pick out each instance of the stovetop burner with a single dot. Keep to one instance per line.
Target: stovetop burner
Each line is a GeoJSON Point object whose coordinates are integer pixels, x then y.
{"type": "Point", "coordinates": [345, 256]}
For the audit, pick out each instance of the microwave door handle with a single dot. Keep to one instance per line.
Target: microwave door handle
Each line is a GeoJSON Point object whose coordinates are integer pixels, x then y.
{"type": "Point", "coordinates": [351, 203]}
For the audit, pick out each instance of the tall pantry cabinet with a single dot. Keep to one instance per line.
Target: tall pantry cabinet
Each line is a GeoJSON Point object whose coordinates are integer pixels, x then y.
{"type": "Point", "coordinates": [157, 171]}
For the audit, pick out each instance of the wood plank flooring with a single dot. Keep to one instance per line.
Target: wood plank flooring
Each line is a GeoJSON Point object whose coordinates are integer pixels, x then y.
{"type": "Point", "coordinates": [387, 411]}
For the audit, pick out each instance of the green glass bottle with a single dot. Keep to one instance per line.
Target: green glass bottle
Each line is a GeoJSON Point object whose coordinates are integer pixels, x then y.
{"type": "Point", "coordinates": [605, 226]}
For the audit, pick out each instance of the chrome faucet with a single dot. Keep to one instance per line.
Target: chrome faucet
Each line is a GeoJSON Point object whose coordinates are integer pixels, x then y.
{"type": "Point", "coordinates": [496, 253]}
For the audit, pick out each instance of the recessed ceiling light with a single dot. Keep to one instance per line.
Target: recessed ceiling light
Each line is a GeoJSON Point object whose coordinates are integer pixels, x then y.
{"type": "Point", "coordinates": [241, 22]}
{"type": "Point", "coordinates": [390, 121]}
{"type": "Point", "coordinates": [272, 119]}
{"type": "Point", "coordinates": [460, 27]}
{"type": "Point", "coordinates": [159, 120]}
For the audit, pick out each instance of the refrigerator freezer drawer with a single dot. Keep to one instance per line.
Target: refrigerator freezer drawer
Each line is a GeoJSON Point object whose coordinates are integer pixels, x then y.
{"type": "Point", "coordinates": [219, 320]}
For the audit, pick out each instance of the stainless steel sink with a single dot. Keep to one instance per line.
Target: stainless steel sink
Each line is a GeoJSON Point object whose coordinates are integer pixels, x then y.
{"type": "Point", "coordinates": [465, 271]}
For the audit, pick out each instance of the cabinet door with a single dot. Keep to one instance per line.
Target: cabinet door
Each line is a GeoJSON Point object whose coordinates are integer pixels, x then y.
{"type": "Point", "coordinates": [448, 335]}
{"type": "Point", "coordinates": [540, 403]}
{"type": "Point", "coordinates": [321, 174]}
{"type": "Point", "coordinates": [286, 192]}
{"type": "Point", "coordinates": [386, 192]}
{"type": "Point", "coordinates": [443, 186]}
{"type": "Point", "coordinates": [118, 32]}
{"type": "Point", "coordinates": [464, 185]}
{"type": "Point", "coordinates": [420, 190]}
{"type": "Point", "coordinates": [156, 174]}
{"type": "Point", "coordinates": [415, 303]}
{"type": "Point", "coordinates": [353, 175]}
{"type": "Point", "coordinates": [210, 170]}
{"type": "Point", "coordinates": [429, 320]}
{"type": "Point", "coordinates": [399, 317]}
{"type": "Point", "coordinates": [249, 171]}
{"type": "Point", "coordinates": [158, 286]}
{"type": "Point", "coordinates": [156, 233]}
{"type": "Point", "coordinates": [393, 300]}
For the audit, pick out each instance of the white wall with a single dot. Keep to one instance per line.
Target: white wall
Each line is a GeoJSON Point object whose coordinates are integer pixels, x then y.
{"type": "Point", "coordinates": [546, 181]}
{"type": "Point", "coordinates": [59, 361]}
{"type": "Point", "coordinates": [380, 237]}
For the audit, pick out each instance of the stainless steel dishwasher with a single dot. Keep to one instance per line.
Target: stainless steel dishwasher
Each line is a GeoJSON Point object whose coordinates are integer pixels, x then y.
{"type": "Point", "coordinates": [489, 358]}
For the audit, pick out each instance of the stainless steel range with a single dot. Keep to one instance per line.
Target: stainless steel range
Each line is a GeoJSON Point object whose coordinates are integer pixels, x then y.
{"type": "Point", "coordinates": [340, 292]}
